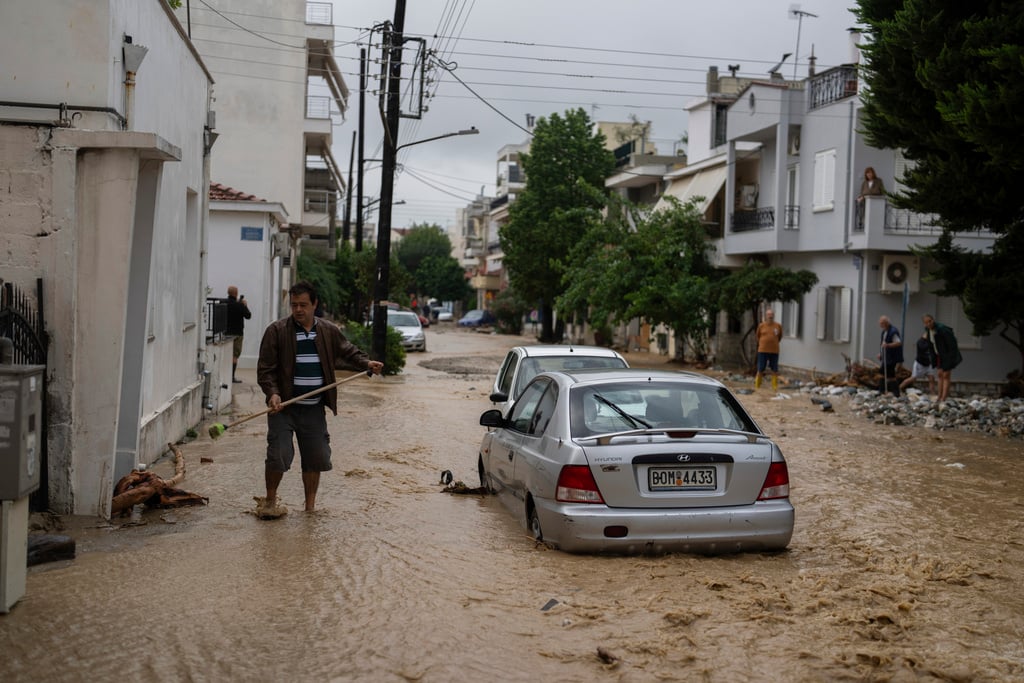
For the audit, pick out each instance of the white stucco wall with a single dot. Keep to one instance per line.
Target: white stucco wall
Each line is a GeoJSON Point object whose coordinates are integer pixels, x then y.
{"type": "Point", "coordinates": [114, 224]}
{"type": "Point", "coordinates": [260, 97]}
{"type": "Point", "coordinates": [247, 264]}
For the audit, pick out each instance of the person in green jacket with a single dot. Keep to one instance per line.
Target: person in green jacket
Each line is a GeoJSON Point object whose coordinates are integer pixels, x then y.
{"type": "Point", "coordinates": [947, 352]}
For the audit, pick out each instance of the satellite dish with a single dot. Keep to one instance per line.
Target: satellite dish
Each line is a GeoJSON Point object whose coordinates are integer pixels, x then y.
{"type": "Point", "coordinates": [896, 272]}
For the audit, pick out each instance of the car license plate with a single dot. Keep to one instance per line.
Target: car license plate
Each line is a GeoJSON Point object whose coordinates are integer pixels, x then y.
{"type": "Point", "coordinates": [682, 479]}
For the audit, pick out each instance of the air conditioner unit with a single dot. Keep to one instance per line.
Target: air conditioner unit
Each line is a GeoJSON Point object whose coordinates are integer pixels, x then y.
{"type": "Point", "coordinates": [794, 145]}
{"type": "Point", "coordinates": [280, 243]}
{"type": "Point", "coordinates": [899, 270]}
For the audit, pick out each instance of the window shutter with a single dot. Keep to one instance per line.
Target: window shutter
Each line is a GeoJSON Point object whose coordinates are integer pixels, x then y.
{"type": "Point", "coordinates": [845, 313]}
{"type": "Point", "coordinates": [822, 312]}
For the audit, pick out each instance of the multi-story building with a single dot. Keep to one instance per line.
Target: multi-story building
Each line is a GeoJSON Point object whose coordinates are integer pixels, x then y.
{"type": "Point", "coordinates": [490, 277]}
{"type": "Point", "coordinates": [279, 94]}
{"type": "Point", "coordinates": [105, 131]}
{"type": "Point", "coordinates": [794, 161]}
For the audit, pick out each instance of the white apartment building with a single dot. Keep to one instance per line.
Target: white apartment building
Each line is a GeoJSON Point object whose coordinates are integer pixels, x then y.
{"type": "Point", "coordinates": [278, 96]}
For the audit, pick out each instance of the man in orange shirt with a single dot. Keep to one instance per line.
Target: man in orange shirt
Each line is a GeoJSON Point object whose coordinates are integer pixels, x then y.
{"type": "Point", "coordinates": [769, 334]}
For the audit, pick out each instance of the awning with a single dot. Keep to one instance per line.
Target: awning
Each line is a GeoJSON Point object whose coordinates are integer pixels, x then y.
{"type": "Point", "coordinates": [704, 184]}
{"type": "Point", "coordinates": [677, 188]}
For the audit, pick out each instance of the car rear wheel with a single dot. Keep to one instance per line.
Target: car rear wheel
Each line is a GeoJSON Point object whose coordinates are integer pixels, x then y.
{"type": "Point", "coordinates": [533, 521]}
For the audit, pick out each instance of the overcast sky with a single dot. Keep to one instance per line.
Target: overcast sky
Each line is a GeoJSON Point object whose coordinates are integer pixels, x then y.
{"type": "Point", "coordinates": [642, 58]}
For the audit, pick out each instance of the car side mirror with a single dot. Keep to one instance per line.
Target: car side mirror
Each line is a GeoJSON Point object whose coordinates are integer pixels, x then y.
{"type": "Point", "coordinates": [492, 418]}
{"type": "Point", "coordinates": [498, 397]}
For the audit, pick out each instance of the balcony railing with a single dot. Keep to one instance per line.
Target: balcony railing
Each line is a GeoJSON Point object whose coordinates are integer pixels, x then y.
{"type": "Point", "coordinates": [758, 219]}
{"type": "Point", "coordinates": [792, 217]}
{"type": "Point", "coordinates": [895, 221]}
{"type": "Point", "coordinates": [905, 222]}
{"type": "Point", "coordinates": [320, 13]}
{"type": "Point", "coordinates": [831, 86]}
{"type": "Point", "coordinates": [318, 107]}
{"type": "Point", "coordinates": [320, 201]}
{"type": "Point", "coordinates": [216, 318]}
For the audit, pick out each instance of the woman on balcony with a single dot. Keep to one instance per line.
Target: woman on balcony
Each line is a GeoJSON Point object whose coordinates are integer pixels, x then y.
{"type": "Point", "coordinates": [871, 185]}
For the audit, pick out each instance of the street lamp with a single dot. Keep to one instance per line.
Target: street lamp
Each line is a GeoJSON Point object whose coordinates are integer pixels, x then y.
{"type": "Point", "coordinates": [472, 130]}
{"type": "Point", "coordinates": [387, 186]}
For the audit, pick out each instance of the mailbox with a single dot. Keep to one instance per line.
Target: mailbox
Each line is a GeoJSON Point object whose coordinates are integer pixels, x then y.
{"type": "Point", "coordinates": [21, 423]}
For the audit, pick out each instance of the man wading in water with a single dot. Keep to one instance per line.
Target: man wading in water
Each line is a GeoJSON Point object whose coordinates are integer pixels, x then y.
{"type": "Point", "coordinates": [299, 354]}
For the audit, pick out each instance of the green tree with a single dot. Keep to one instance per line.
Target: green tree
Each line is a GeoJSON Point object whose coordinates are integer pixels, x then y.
{"type": "Point", "coordinates": [565, 172]}
{"type": "Point", "coordinates": [442, 277]}
{"type": "Point", "coordinates": [746, 289]}
{"type": "Point", "coordinates": [643, 264]}
{"type": "Point", "coordinates": [314, 268]}
{"type": "Point", "coordinates": [946, 85]}
{"type": "Point", "coordinates": [509, 308]}
{"type": "Point", "coordinates": [421, 242]}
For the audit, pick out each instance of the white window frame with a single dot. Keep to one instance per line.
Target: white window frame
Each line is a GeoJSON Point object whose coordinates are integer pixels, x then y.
{"type": "Point", "coordinates": [824, 180]}
{"type": "Point", "coordinates": [835, 314]}
{"type": "Point", "coordinates": [787, 313]}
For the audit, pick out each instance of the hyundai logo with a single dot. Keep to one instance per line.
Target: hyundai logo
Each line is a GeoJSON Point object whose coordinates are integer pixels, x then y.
{"type": "Point", "coordinates": [683, 458]}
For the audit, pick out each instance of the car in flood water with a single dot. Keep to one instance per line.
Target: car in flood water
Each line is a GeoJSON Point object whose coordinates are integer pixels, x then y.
{"type": "Point", "coordinates": [523, 363]}
{"type": "Point", "coordinates": [637, 461]}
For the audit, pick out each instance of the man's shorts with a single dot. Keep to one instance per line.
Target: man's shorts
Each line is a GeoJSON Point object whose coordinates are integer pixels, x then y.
{"type": "Point", "coordinates": [922, 371]}
{"type": "Point", "coordinates": [770, 360]}
{"type": "Point", "coordinates": [308, 425]}
{"type": "Point", "coordinates": [236, 347]}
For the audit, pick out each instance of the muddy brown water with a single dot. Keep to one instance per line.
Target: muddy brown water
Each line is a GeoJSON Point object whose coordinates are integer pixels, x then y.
{"type": "Point", "coordinates": [906, 563]}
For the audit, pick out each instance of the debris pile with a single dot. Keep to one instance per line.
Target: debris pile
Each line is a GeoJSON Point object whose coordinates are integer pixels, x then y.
{"type": "Point", "coordinates": [996, 416]}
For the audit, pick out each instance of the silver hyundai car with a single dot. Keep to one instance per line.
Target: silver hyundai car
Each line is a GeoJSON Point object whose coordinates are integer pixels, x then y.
{"type": "Point", "coordinates": [637, 461]}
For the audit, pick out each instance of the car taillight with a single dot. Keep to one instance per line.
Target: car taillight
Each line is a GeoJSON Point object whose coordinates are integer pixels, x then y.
{"type": "Point", "coordinates": [576, 485]}
{"type": "Point", "coordinates": [776, 484]}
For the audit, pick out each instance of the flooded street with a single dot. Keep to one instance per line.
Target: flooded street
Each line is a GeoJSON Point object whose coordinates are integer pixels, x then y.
{"type": "Point", "coordinates": [905, 565]}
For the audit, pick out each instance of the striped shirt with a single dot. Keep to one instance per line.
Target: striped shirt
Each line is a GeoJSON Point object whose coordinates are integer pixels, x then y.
{"type": "Point", "coordinates": [309, 375]}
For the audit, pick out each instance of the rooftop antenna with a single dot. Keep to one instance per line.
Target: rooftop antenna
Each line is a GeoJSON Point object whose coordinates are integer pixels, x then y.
{"type": "Point", "coordinates": [775, 69]}
{"type": "Point", "coordinates": [796, 13]}
{"type": "Point", "coordinates": [733, 68]}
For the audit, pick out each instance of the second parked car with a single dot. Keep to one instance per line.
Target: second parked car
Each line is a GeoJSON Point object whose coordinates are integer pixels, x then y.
{"type": "Point", "coordinates": [523, 363]}
{"type": "Point", "coordinates": [476, 318]}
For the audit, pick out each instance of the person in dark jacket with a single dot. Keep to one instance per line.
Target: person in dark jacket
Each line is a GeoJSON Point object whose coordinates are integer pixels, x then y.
{"type": "Point", "coordinates": [947, 352]}
{"type": "Point", "coordinates": [238, 313]}
{"type": "Point", "coordinates": [924, 364]}
{"type": "Point", "coordinates": [299, 354]}
{"type": "Point", "coordinates": [890, 355]}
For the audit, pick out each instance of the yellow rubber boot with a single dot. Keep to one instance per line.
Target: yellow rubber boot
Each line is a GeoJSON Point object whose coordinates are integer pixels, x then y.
{"type": "Point", "coordinates": [757, 381]}
{"type": "Point", "coordinates": [775, 382]}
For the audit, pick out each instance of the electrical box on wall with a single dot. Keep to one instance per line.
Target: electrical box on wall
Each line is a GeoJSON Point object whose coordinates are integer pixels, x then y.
{"type": "Point", "coordinates": [21, 437]}
{"type": "Point", "coordinates": [898, 271]}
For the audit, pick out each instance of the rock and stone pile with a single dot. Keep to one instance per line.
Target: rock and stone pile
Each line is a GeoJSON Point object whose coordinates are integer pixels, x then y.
{"type": "Point", "coordinates": [996, 416]}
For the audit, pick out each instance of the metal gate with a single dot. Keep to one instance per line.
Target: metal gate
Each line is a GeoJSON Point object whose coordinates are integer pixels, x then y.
{"type": "Point", "coordinates": [22, 323]}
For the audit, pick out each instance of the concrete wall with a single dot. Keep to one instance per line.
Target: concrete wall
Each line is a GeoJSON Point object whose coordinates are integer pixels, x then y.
{"type": "Point", "coordinates": [114, 223]}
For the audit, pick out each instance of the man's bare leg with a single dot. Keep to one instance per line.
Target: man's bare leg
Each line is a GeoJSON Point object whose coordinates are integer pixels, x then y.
{"type": "Point", "coordinates": [310, 484]}
{"type": "Point", "coordinates": [273, 480]}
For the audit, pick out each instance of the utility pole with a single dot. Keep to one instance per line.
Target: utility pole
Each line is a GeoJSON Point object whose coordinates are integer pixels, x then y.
{"type": "Point", "coordinates": [362, 141]}
{"type": "Point", "coordinates": [394, 40]}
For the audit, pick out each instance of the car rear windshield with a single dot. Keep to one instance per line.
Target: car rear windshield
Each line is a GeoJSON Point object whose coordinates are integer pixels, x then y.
{"type": "Point", "coordinates": [531, 367]}
{"type": "Point", "coordinates": [606, 408]}
{"type": "Point", "coordinates": [403, 319]}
